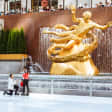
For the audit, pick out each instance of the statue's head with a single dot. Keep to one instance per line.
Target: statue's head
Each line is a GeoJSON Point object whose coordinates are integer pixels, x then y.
{"type": "Point", "coordinates": [87, 15]}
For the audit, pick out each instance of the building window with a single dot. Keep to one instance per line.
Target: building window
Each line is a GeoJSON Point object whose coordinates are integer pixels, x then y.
{"type": "Point", "coordinates": [15, 5]}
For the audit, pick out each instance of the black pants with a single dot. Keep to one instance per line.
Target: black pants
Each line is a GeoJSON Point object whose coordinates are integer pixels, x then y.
{"type": "Point", "coordinates": [16, 87]}
{"type": "Point", "coordinates": [8, 92]}
{"type": "Point", "coordinates": [26, 84]}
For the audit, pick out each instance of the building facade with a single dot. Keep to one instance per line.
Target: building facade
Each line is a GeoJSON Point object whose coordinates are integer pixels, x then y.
{"type": "Point", "coordinates": [7, 5]}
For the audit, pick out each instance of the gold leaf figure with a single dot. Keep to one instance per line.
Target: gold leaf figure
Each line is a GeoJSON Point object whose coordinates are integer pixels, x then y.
{"type": "Point", "coordinates": [70, 55]}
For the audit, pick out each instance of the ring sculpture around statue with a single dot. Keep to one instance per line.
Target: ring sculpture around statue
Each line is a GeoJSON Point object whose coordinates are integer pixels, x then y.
{"type": "Point", "coordinates": [81, 54]}
{"type": "Point", "coordinates": [70, 55]}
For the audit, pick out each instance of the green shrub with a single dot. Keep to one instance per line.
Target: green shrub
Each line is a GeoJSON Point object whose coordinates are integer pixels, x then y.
{"type": "Point", "coordinates": [12, 41]}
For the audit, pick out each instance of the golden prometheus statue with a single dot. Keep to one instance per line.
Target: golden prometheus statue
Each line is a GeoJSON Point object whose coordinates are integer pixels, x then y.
{"type": "Point", "coordinates": [69, 53]}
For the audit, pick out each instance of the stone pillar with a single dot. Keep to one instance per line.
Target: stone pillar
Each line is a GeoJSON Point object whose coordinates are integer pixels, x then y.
{"type": "Point", "coordinates": [26, 4]}
{"type": "Point", "coordinates": [23, 3]}
{"type": "Point", "coordinates": [60, 2]}
{"type": "Point", "coordinates": [29, 4]}
{"type": "Point", "coordinates": [1, 5]}
{"type": "Point", "coordinates": [68, 3]}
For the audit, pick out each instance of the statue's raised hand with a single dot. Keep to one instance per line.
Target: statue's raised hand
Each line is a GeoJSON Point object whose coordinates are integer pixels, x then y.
{"type": "Point", "coordinates": [73, 9]}
{"type": "Point", "coordinates": [109, 24]}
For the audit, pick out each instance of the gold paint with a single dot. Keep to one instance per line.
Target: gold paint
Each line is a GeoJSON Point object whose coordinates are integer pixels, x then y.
{"type": "Point", "coordinates": [70, 55]}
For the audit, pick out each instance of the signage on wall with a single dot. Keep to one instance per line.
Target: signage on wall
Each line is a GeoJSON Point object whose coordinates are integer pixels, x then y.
{"type": "Point", "coordinates": [1, 24]}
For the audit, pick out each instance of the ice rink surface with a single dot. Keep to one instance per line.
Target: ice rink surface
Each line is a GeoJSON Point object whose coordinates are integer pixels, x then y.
{"type": "Point", "coordinates": [54, 103]}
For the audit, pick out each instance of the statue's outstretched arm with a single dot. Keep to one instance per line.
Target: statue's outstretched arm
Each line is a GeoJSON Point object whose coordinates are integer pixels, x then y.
{"type": "Point", "coordinates": [73, 11]}
{"type": "Point", "coordinates": [103, 27]}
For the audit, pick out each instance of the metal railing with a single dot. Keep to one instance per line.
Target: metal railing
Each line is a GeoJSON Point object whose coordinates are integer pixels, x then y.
{"type": "Point", "coordinates": [69, 85]}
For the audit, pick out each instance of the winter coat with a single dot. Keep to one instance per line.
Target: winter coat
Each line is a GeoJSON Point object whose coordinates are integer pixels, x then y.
{"type": "Point", "coordinates": [10, 84]}
{"type": "Point", "coordinates": [26, 76]}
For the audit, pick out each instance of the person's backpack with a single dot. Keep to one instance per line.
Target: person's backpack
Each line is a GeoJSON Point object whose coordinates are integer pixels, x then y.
{"type": "Point", "coordinates": [21, 83]}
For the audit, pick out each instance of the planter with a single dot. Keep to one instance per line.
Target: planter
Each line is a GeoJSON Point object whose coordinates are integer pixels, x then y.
{"type": "Point", "coordinates": [11, 63]}
{"type": "Point", "coordinates": [13, 56]}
